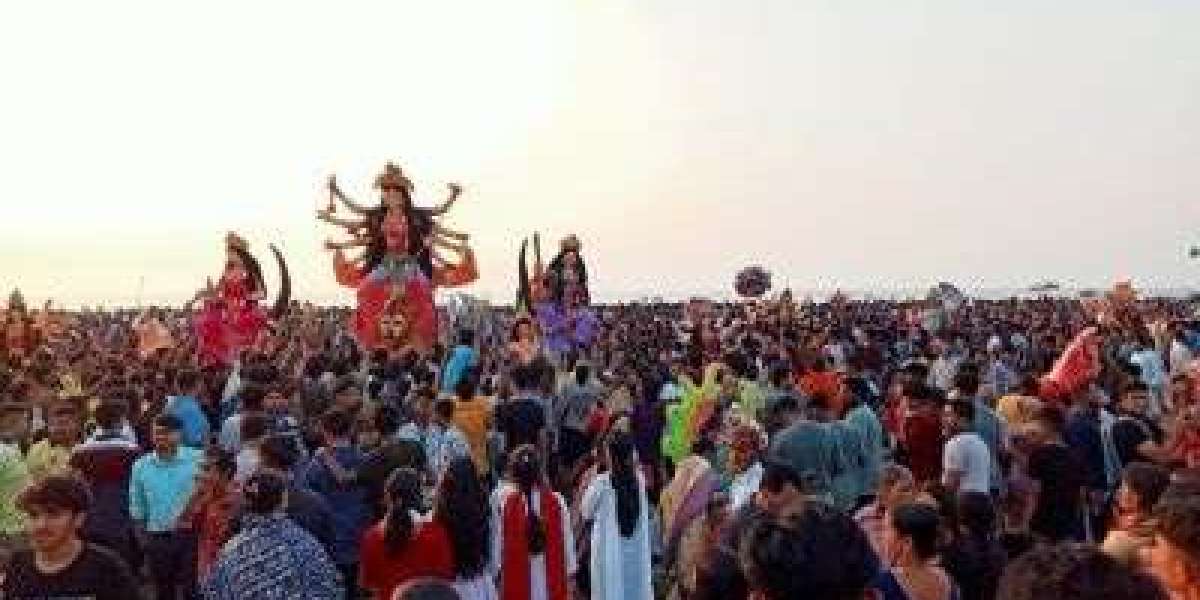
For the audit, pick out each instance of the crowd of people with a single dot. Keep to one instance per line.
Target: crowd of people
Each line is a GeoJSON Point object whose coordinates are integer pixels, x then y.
{"type": "Point", "coordinates": [1016, 449]}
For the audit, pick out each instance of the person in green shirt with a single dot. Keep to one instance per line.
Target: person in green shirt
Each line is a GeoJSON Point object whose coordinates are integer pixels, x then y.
{"type": "Point", "coordinates": [14, 474]}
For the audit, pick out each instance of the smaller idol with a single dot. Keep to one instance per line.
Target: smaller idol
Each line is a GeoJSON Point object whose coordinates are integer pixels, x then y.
{"type": "Point", "coordinates": [559, 298]}
{"type": "Point", "coordinates": [231, 318]}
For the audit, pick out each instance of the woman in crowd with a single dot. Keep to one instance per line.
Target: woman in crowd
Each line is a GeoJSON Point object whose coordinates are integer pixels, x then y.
{"type": "Point", "coordinates": [272, 557]}
{"type": "Point", "coordinates": [974, 557]}
{"type": "Point", "coordinates": [1141, 486]}
{"type": "Point", "coordinates": [683, 505]}
{"type": "Point", "coordinates": [462, 509]}
{"type": "Point", "coordinates": [403, 546]}
{"type": "Point", "coordinates": [532, 538]}
{"type": "Point", "coordinates": [615, 503]}
{"type": "Point", "coordinates": [911, 542]}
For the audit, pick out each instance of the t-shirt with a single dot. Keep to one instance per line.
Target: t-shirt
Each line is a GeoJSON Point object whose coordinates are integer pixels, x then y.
{"type": "Point", "coordinates": [97, 574]}
{"type": "Point", "coordinates": [521, 420]}
{"type": "Point", "coordinates": [968, 454]}
{"type": "Point", "coordinates": [1060, 475]}
{"type": "Point", "coordinates": [427, 554]}
{"type": "Point", "coordinates": [1130, 432]}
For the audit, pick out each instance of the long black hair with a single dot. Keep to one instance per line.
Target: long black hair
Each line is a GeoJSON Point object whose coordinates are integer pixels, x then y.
{"type": "Point", "coordinates": [258, 284]}
{"type": "Point", "coordinates": [403, 491]}
{"type": "Point", "coordinates": [252, 267]}
{"type": "Point", "coordinates": [420, 226]}
{"type": "Point", "coordinates": [558, 284]}
{"type": "Point", "coordinates": [526, 471]}
{"type": "Point", "coordinates": [462, 507]}
{"type": "Point", "coordinates": [623, 472]}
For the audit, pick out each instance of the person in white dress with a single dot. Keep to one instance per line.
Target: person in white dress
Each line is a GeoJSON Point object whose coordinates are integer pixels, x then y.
{"type": "Point", "coordinates": [615, 503]}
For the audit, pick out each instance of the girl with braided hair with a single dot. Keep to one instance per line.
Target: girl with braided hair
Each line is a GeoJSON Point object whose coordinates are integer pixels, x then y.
{"type": "Point", "coordinates": [533, 533]}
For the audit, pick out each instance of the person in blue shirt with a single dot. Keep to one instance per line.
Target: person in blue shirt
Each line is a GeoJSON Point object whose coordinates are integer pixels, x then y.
{"type": "Point", "coordinates": [185, 406]}
{"type": "Point", "coordinates": [160, 486]}
{"type": "Point", "coordinates": [332, 474]}
{"type": "Point", "coordinates": [462, 357]}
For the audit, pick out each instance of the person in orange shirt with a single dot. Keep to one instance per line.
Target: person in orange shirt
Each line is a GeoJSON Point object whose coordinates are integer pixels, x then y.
{"type": "Point", "coordinates": [473, 417]}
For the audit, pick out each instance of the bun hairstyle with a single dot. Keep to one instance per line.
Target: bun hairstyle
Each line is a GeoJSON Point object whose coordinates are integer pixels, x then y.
{"type": "Point", "coordinates": [526, 470]}
{"type": "Point", "coordinates": [403, 491]}
{"type": "Point", "coordinates": [263, 493]}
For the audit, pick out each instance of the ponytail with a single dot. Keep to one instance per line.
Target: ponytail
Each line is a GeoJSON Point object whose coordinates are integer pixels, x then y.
{"type": "Point", "coordinates": [527, 473]}
{"type": "Point", "coordinates": [624, 482]}
{"type": "Point", "coordinates": [403, 491]}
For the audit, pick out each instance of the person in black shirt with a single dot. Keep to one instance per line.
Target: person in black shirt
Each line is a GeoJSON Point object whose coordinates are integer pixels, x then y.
{"type": "Point", "coordinates": [61, 564]}
{"type": "Point", "coordinates": [522, 420]}
{"type": "Point", "coordinates": [305, 507]}
{"type": "Point", "coordinates": [1137, 438]}
{"type": "Point", "coordinates": [1059, 477]}
{"type": "Point", "coordinates": [393, 453]}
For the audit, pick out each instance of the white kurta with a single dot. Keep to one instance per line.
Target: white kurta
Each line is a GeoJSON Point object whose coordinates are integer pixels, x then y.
{"type": "Point", "coordinates": [620, 566]}
{"type": "Point", "coordinates": [537, 562]}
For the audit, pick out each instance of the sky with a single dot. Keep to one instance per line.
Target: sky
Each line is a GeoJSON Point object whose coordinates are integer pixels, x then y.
{"type": "Point", "coordinates": [841, 144]}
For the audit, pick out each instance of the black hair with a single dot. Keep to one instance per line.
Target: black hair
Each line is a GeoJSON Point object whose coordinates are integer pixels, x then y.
{"type": "Point", "coordinates": [526, 377]}
{"type": "Point", "coordinates": [420, 226]}
{"type": "Point", "coordinates": [466, 337]}
{"type": "Point", "coordinates": [777, 474]}
{"type": "Point", "coordinates": [387, 419]}
{"type": "Point", "coordinates": [263, 493]}
{"type": "Point", "coordinates": [186, 379]}
{"type": "Point", "coordinates": [337, 423]}
{"type": "Point", "coordinates": [110, 414]}
{"type": "Point", "coordinates": [526, 470]}
{"type": "Point", "coordinates": [222, 460]}
{"type": "Point", "coordinates": [818, 553]}
{"type": "Point", "coordinates": [1051, 417]}
{"type": "Point", "coordinates": [251, 397]}
{"type": "Point", "coordinates": [426, 589]}
{"type": "Point", "coordinates": [64, 492]}
{"type": "Point", "coordinates": [1134, 386]}
{"type": "Point", "coordinates": [403, 491]}
{"type": "Point", "coordinates": [278, 451]}
{"type": "Point", "coordinates": [252, 268]}
{"type": "Point", "coordinates": [1148, 481]}
{"type": "Point", "coordinates": [1177, 520]}
{"type": "Point", "coordinates": [168, 421]}
{"type": "Point", "coordinates": [254, 426]}
{"type": "Point", "coordinates": [963, 409]}
{"type": "Point", "coordinates": [467, 384]}
{"type": "Point", "coordinates": [976, 514]}
{"type": "Point", "coordinates": [623, 472]}
{"type": "Point", "coordinates": [462, 507]}
{"type": "Point", "coordinates": [444, 409]}
{"type": "Point", "coordinates": [920, 523]}
{"type": "Point", "coordinates": [1075, 572]}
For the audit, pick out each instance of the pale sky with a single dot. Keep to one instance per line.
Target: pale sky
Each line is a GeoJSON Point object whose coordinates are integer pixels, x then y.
{"type": "Point", "coordinates": [839, 143]}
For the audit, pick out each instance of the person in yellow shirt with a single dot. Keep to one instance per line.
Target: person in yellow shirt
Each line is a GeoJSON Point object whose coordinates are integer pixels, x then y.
{"type": "Point", "coordinates": [473, 417]}
{"type": "Point", "coordinates": [53, 454]}
{"type": "Point", "coordinates": [1019, 409]}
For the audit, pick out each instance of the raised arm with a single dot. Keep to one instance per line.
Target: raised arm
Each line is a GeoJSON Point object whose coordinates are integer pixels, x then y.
{"type": "Point", "coordinates": [449, 274]}
{"type": "Point", "coordinates": [336, 192]}
{"type": "Point", "coordinates": [349, 224]}
{"type": "Point", "coordinates": [455, 192]}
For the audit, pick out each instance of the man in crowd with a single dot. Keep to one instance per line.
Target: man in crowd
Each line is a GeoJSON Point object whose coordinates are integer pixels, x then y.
{"type": "Point", "coordinates": [160, 487]}
{"type": "Point", "coordinates": [60, 563]}
{"type": "Point", "coordinates": [966, 461]}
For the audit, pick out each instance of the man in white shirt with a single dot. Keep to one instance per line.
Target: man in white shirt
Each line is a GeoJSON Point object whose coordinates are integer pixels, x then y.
{"type": "Point", "coordinates": [966, 461]}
